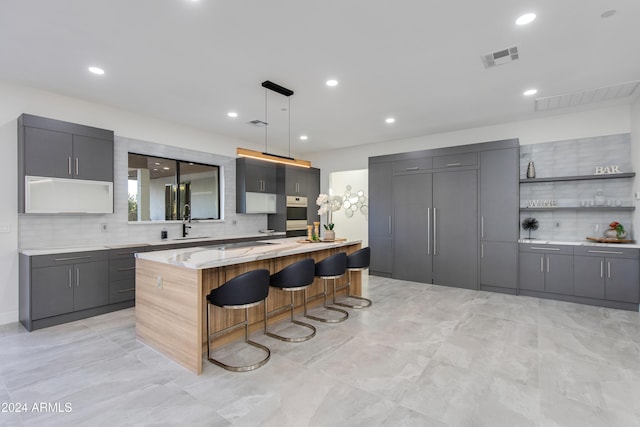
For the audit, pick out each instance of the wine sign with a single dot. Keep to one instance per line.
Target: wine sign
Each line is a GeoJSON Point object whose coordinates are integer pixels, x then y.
{"type": "Point", "coordinates": [606, 170]}
{"type": "Point", "coordinates": [543, 203]}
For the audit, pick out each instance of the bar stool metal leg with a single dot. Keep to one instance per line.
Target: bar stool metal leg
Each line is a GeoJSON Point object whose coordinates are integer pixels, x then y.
{"type": "Point", "coordinates": [366, 302]}
{"type": "Point", "coordinates": [297, 322]}
{"type": "Point", "coordinates": [326, 306]}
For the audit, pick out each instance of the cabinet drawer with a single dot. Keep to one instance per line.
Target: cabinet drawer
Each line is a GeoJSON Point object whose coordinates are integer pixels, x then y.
{"type": "Point", "coordinates": [120, 269]}
{"type": "Point", "coordinates": [122, 290]}
{"type": "Point", "coordinates": [455, 160]}
{"type": "Point", "coordinates": [126, 253]}
{"type": "Point", "coordinates": [68, 258]}
{"type": "Point", "coordinates": [607, 252]}
{"type": "Point", "coordinates": [412, 165]}
{"type": "Point", "coordinates": [547, 249]}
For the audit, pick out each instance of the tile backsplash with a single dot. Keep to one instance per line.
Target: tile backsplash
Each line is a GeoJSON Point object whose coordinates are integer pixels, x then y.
{"type": "Point", "coordinates": [571, 158]}
{"type": "Point", "coordinates": [47, 231]}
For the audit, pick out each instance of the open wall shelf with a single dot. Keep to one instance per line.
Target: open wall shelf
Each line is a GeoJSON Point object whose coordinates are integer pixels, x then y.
{"type": "Point", "coordinates": [578, 178]}
{"type": "Point", "coordinates": [582, 209]}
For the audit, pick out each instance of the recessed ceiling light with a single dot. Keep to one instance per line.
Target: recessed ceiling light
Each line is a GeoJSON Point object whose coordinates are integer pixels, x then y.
{"type": "Point", "coordinates": [304, 137]}
{"type": "Point", "coordinates": [96, 70]}
{"type": "Point", "coordinates": [232, 114]}
{"type": "Point", "coordinates": [389, 120]}
{"type": "Point", "coordinates": [530, 92]}
{"type": "Point", "coordinates": [525, 19]}
{"type": "Point", "coordinates": [608, 13]}
{"type": "Point", "coordinates": [332, 82]}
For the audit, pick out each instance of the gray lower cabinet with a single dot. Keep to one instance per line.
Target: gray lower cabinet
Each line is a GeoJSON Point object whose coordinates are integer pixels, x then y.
{"type": "Point", "coordinates": [55, 288]}
{"type": "Point", "coordinates": [604, 273]}
{"type": "Point", "coordinates": [455, 228]}
{"type": "Point", "coordinates": [499, 264]}
{"type": "Point", "coordinates": [122, 274]}
{"type": "Point", "coordinates": [546, 268]}
{"type": "Point", "coordinates": [412, 227]}
{"type": "Point", "coordinates": [381, 218]}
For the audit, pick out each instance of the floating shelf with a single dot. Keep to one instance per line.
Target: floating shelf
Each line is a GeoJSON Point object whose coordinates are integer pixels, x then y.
{"type": "Point", "coordinates": [583, 209]}
{"type": "Point", "coordinates": [578, 178]}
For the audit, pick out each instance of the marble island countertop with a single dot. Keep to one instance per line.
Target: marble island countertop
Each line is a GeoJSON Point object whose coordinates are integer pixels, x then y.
{"type": "Point", "coordinates": [579, 243]}
{"type": "Point", "coordinates": [194, 239]}
{"type": "Point", "coordinates": [202, 257]}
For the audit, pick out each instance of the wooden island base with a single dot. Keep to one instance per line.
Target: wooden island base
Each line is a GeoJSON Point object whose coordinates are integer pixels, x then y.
{"type": "Point", "coordinates": [171, 303]}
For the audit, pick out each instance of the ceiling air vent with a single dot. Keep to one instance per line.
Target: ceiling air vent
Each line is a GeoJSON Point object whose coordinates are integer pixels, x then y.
{"type": "Point", "coordinates": [583, 97]}
{"type": "Point", "coordinates": [500, 57]}
{"type": "Point", "coordinates": [257, 123]}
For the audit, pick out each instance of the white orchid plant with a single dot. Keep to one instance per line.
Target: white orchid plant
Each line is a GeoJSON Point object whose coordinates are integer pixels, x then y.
{"type": "Point", "coordinates": [328, 205]}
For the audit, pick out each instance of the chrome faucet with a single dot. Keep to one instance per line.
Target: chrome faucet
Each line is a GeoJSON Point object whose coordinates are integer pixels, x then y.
{"type": "Point", "coordinates": [186, 217]}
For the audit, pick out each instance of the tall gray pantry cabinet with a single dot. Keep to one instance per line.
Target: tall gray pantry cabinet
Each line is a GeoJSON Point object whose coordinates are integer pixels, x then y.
{"type": "Point", "coordinates": [447, 216]}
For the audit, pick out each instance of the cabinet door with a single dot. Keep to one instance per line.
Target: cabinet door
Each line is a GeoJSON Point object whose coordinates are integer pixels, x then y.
{"type": "Point", "coordinates": [412, 227]}
{"type": "Point", "coordinates": [295, 181]}
{"type": "Point", "coordinates": [51, 291]}
{"type": "Point", "coordinates": [92, 158]}
{"type": "Point", "coordinates": [559, 274]}
{"type": "Point", "coordinates": [381, 262]}
{"type": "Point", "coordinates": [499, 195]}
{"type": "Point", "coordinates": [380, 199]}
{"type": "Point", "coordinates": [499, 264]}
{"type": "Point", "coordinates": [47, 153]}
{"type": "Point", "coordinates": [531, 268]}
{"type": "Point", "coordinates": [313, 190]}
{"type": "Point", "coordinates": [588, 276]}
{"type": "Point", "coordinates": [91, 285]}
{"type": "Point", "coordinates": [622, 280]}
{"type": "Point", "coordinates": [455, 246]}
{"type": "Point", "coordinates": [260, 179]}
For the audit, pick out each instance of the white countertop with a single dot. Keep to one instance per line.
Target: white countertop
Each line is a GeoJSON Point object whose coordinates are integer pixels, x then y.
{"type": "Point", "coordinates": [64, 250]}
{"type": "Point", "coordinates": [210, 256]}
{"type": "Point", "coordinates": [579, 243]}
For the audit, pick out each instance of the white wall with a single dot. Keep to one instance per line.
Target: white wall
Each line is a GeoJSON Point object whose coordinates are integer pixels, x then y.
{"type": "Point", "coordinates": [355, 227]}
{"type": "Point", "coordinates": [605, 121]}
{"type": "Point", "coordinates": [16, 100]}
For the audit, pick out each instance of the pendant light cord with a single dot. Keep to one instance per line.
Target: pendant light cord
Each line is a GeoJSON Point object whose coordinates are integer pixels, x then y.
{"type": "Point", "coordinates": [266, 122]}
{"type": "Point", "coordinates": [289, 98]}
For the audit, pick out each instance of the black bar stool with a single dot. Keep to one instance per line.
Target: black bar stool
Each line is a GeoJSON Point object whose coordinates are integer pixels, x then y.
{"type": "Point", "coordinates": [357, 261]}
{"type": "Point", "coordinates": [332, 267]}
{"type": "Point", "coordinates": [242, 292]}
{"type": "Point", "coordinates": [295, 277]}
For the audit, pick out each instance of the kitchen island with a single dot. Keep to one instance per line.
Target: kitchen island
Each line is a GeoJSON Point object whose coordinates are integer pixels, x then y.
{"type": "Point", "coordinates": [172, 285]}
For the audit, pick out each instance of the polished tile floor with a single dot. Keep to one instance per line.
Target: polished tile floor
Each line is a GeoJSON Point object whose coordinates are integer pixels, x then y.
{"type": "Point", "coordinates": [422, 355]}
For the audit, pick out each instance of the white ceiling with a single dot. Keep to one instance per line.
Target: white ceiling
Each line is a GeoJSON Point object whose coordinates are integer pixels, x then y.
{"type": "Point", "coordinates": [416, 60]}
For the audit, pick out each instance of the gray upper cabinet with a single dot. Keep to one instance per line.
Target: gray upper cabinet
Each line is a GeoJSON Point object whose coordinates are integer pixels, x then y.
{"type": "Point", "coordinates": [381, 218]}
{"type": "Point", "coordinates": [56, 149]}
{"type": "Point", "coordinates": [455, 160]}
{"type": "Point", "coordinates": [255, 176]}
{"type": "Point", "coordinates": [313, 190]}
{"type": "Point", "coordinates": [296, 181]}
{"type": "Point", "coordinates": [499, 195]}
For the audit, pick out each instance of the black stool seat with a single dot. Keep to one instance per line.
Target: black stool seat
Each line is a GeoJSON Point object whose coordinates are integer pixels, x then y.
{"type": "Point", "coordinates": [242, 292]}
{"type": "Point", "coordinates": [295, 277]}
{"type": "Point", "coordinates": [357, 261]}
{"type": "Point", "coordinates": [332, 267]}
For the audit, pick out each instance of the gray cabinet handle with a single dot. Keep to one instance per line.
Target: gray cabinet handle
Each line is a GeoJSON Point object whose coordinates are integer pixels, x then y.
{"type": "Point", "coordinates": [389, 224]}
{"type": "Point", "coordinates": [453, 164]}
{"type": "Point", "coordinates": [126, 290]}
{"type": "Point", "coordinates": [482, 227]}
{"type": "Point", "coordinates": [609, 269]}
{"type": "Point", "coordinates": [415, 168]}
{"type": "Point", "coordinates": [481, 250]}
{"type": "Point", "coordinates": [541, 264]}
{"type": "Point", "coordinates": [601, 269]}
{"type": "Point", "coordinates": [548, 264]}
{"type": "Point", "coordinates": [605, 252]}
{"type": "Point", "coordinates": [77, 277]}
{"type": "Point", "coordinates": [69, 165]}
{"type": "Point", "coordinates": [73, 258]}
{"type": "Point", "coordinates": [126, 269]}
{"type": "Point", "coordinates": [544, 249]}
{"type": "Point", "coordinates": [70, 284]}
{"type": "Point", "coordinates": [435, 231]}
{"type": "Point", "coordinates": [428, 231]}
{"type": "Point", "coordinates": [77, 166]}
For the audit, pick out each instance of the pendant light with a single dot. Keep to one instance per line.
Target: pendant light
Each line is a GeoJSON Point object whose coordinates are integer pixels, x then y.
{"type": "Point", "coordinates": [265, 155]}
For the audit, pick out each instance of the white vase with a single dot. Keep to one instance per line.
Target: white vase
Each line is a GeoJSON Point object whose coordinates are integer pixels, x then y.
{"type": "Point", "coordinates": [329, 235]}
{"type": "Point", "coordinates": [613, 234]}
